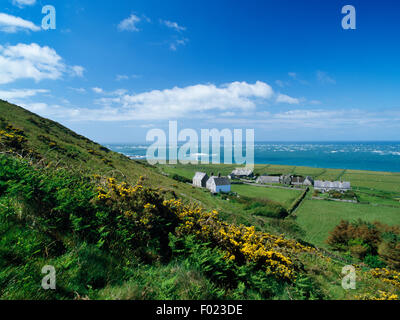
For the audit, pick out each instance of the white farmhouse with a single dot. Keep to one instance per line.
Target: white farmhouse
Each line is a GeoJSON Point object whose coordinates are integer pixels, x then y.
{"type": "Point", "coordinates": [219, 184]}
{"type": "Point", "coordinates": [200, 179]}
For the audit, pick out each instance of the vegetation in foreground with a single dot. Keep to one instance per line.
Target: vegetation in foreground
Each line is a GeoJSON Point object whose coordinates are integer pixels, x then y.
{"type": "Point", "coordinates": [111, 238]}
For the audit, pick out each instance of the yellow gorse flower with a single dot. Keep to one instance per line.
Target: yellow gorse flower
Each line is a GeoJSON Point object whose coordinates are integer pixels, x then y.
{"type": "Point", "coordinates": [274, 254]}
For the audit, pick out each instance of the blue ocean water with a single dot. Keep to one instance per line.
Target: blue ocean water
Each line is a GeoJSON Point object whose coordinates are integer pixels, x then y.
{"type": "Point", "coordinates": [375, 156]}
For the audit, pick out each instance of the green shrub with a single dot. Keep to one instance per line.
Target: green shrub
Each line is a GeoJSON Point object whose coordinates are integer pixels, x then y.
{"type": "Point", "coordinates": [374, 261]}
{"type": "Point", "coordinates": [179, 178]}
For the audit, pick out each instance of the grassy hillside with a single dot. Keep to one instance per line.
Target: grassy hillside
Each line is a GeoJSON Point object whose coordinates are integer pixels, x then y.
{"type": "Point", "coordinates": [319, 218]}
{"type": "Point", "coordinates": [64, 148]}
{"type": "Point", "coordinates": [115, 228]}
{"type": "Point", "coordinates": [377, 192]}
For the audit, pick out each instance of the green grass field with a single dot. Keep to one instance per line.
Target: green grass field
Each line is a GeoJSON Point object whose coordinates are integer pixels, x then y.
{"type": "Point", "coordinates": [284, 196]}
{"type": "Point", "coordinates": [319, 217]}
{"type": "Point", "coordinates": [384, 181]}
{"type": "Point", "coordinates": [378, 192]}
{"type": "Point", "coordinates": [63, 149]}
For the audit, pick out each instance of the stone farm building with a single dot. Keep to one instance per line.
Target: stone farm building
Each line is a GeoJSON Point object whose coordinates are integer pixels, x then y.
{"type": "Point", "coordinates": [326, 186]}
{"type": "Point", "coordinates": [200, 180]}
{"type": "Point", "coordinates": [297, 181]}
{"type": "Point", "coordinates": [308, 181]}
{"type": "Point", "coordinates": [268, 179]}
{"type": "Point", "coordinates": [219, 184]}
{"type": "Point", "coordinates": [286, 179]}
{"type": "Point", "coordinates": [301, 181]}
{"type": "Point", "coordinates": [241, 173]}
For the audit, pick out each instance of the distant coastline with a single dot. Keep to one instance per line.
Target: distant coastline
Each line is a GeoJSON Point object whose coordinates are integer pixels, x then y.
{"type": "Point", "coordinates": [382, 156]}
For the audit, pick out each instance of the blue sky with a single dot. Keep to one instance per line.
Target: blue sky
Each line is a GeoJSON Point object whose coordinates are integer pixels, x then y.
{"type": "Point", "coordinates": [112, 70]}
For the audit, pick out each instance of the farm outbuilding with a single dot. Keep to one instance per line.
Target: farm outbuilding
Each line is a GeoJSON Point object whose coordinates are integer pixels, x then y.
{"type": "Point", "coordinates": [297, 181]}
{"type": "Point", "coordinates": [268, 179]}
{"type": "Point", "coordinates": [200, 180]}
{"type": "Point", "coordinates": [241, 173]}
{"type": "Point", "coordinates": [308, 181]}
{"type": "Point", "coordinates": [326, 186]}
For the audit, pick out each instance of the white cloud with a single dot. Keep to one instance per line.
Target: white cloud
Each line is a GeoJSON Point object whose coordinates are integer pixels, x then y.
{"type": "Point", "coordinates": [178, 102]}
{"type": "Point", "coordinates": [292, 75]}
{"type": "Point", "coordinates": [20, 93]}
{"type": "Point", "coordinates": [77, 71]}
{"type": "Point", "coordinates": [146, 126]}
{"type": "Point", "coordinates": [228, 114]}
{"type": "Point", "coordinates": [53, 111]}
{"type": "Point", "coordinates": [129, 24]}
{"type": "Point", "coordinates": [179, 42]}
{"type": "Point", "coordinates": [12, 24]}
{"type": "Point", "coordinates": [324, 78]}
{"type": "Point", "coordinates": [31, 61]}
{"type": "Point", "coordinates": [173, 25]}
{"type": "Point", "coordinates": [23, 3]}
{"type": "Point", "coordinates": [121, 77]}
{"type": "Point", "coordinates": [315, 102]}
{"type": "Point", "coordinates": [319, 119]}
{"type": "Point", "coordinates": [98, 90]}
{"type": "Point", "coordinates": [192, 101]}
{"type": "Point", "coordinates": [283, 98]}
{"type": "Point", "coordinates": [78, 90]}
{"type": "Point", "coordinates": [281, 83]}
{"type": "Point", "coordinates": [312, 114]}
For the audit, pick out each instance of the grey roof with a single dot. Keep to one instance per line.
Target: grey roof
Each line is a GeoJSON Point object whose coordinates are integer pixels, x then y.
{"type": "Point", "coordinates": [268, 179]}
{"type": "Point", "coordinates": [332, 184]}
{"type": "Point", "coordinates": [242, 172]}
{"type": "Point", "coordinates": [221, 181]}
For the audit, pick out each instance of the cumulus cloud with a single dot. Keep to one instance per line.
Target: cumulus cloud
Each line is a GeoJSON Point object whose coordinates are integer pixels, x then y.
{"type": "Point", "coordinates": [193, 101]}
{"type": "Point", "coordinates": [77, 71]}
{"type": "Point", "coordinates": [20, 93]}
{"type": "Point", "coordinates": [31, 61]}
{"type": "Point", "coordinates": [52, 110]}
{"type": "Point", "coordinates": [97, 90]}
{"type": "Point", "coordinates": [12, 24]}
{"type": "Point", "coordinates": [23, 3]}
{"type": "Point", "coordinates": [173, 25]}
{"type": "Point", "coordinates": [179, 102]}
{"type": "Point", "coordinates": [129, 24]}
{"type": "Point", "coordinates": [283, 98]}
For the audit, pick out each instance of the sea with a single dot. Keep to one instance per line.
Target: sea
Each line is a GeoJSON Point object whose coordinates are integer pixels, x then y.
{"type": "Point", "coordinates": [374, 156]}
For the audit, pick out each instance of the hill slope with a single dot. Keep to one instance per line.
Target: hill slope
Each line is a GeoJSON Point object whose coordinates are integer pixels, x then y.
{"type": "Point", "coordinates": [114, 228]}
{"type": "Point", "coordinates": [65, 148]}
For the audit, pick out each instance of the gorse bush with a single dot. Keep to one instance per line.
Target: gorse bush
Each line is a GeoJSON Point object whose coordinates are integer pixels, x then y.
{"type": "Point", "coordinates": [375, 243]}
{"type": "Point", "coordinates": [12, 138]}
{"type": "Point", "coordinates": [90, 226]}
{"type": "Point", "coordinates": [111, 239]}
